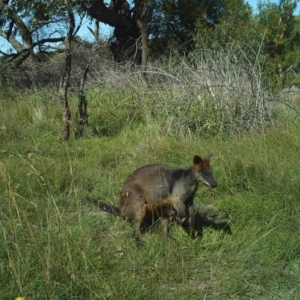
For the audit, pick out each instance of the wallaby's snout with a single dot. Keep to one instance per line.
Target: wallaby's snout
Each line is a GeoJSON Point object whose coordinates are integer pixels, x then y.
{"type": "Point", "coordinates": [213, 185]}
{"type": "Point", "coordinates": [208, 179]}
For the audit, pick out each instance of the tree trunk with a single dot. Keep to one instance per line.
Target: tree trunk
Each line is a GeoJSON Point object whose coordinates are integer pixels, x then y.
{"type": "Point", "coordinates": [124, 46]}
{"type": "Point", "coordinates": [82, 106]}
{"type": "Point", "coordinates": [83, 116]}
{"type": "Point", "coordinates": [97, 32]}
{"type": "Point", "coordinates": [82, 102]}
{"type": "Point", "coordinates": [144, 46]}
{"type": "Point", "coordinates": [129, 24]}
{"type": "Point", "coordinates": [63, 90]}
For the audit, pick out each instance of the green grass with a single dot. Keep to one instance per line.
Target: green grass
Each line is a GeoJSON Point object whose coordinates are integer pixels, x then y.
{"type": "Point", "coordinates": [55, 245]}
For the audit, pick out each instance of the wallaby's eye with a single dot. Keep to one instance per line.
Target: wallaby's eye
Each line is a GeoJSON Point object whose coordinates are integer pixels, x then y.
{"type": "Point", "coordinates": [208, 174]}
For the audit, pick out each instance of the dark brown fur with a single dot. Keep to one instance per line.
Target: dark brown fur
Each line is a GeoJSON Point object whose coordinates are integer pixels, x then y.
{"type": "Point", "coordinates": [153, 191]}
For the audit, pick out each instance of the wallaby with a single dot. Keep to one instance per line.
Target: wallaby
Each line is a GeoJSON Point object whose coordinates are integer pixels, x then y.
{"type": "Point", "coordinates": [154, 191]}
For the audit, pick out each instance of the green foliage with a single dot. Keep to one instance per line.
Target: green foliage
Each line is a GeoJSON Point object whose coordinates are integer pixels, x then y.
{"type": "Point", "coordinates": [297, 24]}
{"type": "Point", "coordinates": [271, 37]}
{"type": "Point", "coordinates": [55, 245]}
{"type": "Point", "coordinates": [174, 23]}
{"type": "Point", "coordinates": [183, 26]}
{"type": "Point", "coordinates": [235, 26]}
{"type": "Point", "coordinates": [269, 40]}
{"type": "Point", "coordinates": [236, 34]}
{"type": "Point", "coordinates": [281, 42]}
{"type": "Point", "coordinates": [238, 37]}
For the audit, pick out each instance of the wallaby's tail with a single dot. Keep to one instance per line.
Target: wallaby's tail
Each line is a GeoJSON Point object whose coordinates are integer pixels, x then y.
{"type": "Point", "coordinates": [105, 206]}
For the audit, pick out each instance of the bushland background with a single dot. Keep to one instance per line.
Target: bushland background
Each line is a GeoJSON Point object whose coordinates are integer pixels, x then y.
{"type": "Point", "coordinates": [226, 83]}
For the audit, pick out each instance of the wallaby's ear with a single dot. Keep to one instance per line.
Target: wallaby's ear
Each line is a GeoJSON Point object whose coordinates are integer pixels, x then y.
{"type": "Point", "coordinates": [209, 156]}
{"type": "Point", "coordinates": [197, 160]}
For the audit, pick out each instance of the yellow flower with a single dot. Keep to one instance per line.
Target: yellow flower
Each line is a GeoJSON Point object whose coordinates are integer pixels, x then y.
{"type": "Point", "coordinates": [20, 298]}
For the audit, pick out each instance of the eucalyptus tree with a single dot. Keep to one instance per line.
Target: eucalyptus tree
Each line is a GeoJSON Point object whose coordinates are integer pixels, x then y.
{"type": "Point", "coordinates": [175, 23]}
{"type": "Point", "coordinates": [131, 20]}
{"type": "Point", "coordinates": [281, 44]}
{"type": "Point", "coordinates": [31, 28]}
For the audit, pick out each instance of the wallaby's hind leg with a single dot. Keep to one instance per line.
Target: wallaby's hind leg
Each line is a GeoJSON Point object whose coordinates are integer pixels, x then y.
{"type": "Point", "coordinates": [138, 212]}
{"type": "Point", "coordinates": [179, 207]}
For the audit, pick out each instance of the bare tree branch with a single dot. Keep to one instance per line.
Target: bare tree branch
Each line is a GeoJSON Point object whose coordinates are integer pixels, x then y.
{"type": "Point", "coordinates": [22, 54]}
{"type": "Point", "coordinates": [47, 24]}
{"type": "Point", "coordinates": [14, 42]}
{"type": "Point", "coordinates": [82, 102]}
{"type": "Point", "coordinates": [24, 31]}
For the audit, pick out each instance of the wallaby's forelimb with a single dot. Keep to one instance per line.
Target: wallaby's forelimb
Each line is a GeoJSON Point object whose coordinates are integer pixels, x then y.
{"type": "Point", "coordinates": [191, 210]}
{"type": "Point", "coordinates": [179, 206]}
